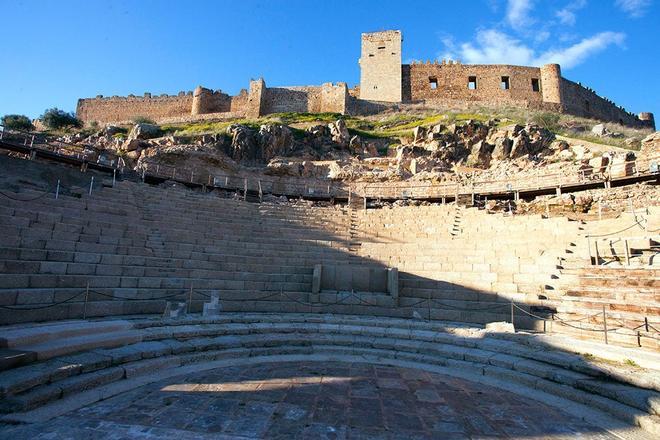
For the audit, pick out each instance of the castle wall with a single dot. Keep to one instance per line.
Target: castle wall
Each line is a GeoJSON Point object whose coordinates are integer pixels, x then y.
{"type": "Point", "coordinates": [306, 99]}
{"type": "Point", "coordinates": [239, 102]}
{"type": "Point", "coordinates": [118, 109]}
{"type": "Point", "coordinates": [207, 101]}
{"type": "Point", "coordinates": [447, 84]}
{"type": "Point", "coordinates": [579, 101]}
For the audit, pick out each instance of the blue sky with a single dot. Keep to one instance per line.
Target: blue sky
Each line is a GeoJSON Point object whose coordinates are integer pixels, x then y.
{"type": "Point", "coordinates": [55, 52]}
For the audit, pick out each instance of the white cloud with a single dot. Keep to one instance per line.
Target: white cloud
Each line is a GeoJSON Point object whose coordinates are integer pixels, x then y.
{"type": "Point", "coordinates": [494, 47]}
{"type": "Point", "coordinates": [576, 54]}
{"type": "Point", "coordinates": [634, 8]}
{"type": "Point", "coordinates": [517, 13]}
{"type": "Point", "coordinates": [567, 16]}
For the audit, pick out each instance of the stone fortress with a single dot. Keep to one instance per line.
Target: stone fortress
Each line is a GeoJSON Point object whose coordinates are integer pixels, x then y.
{"type": "Point", "coordinates": [385, 82]}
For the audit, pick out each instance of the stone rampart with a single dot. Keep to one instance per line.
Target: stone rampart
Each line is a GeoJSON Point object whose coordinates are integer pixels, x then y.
{"type": "Point", "coordinates": [452, 82]}
{"type": "Point", "coordinates": [385, 83]}
{"type": "Point", "coordinates": [113, 109]}
{"type": "Point", "coordinates": [306, 99]}
{"type": "Point", "coordinates": [580, 101]}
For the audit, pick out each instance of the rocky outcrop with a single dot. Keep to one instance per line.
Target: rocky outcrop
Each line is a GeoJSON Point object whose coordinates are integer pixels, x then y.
{"type": "Point", "coordinates": [478, 144]}
{"type": "Point", "coordinates": [339, 133]}
{"type": "Point", "coordinates": [273, 141]}
{"type": "Point", "coordinates": [650, 145]}
{"type": "Point", "coordinates": [480, 155]}
{"type": "Point", "coordinates": [144, 131]}
{"type": "Point", "coordinates": [255, 147]}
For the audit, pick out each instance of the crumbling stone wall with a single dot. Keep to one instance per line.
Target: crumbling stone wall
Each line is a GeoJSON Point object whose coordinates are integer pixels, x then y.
{"type": "Point", "coordinates": [306, 99]}
{"type": "Point", "coordinates": [118, 109]}
{"type": "Point", "coordinates": [209, 101]}
{"type": "Point", "coordinates": [580, 101]}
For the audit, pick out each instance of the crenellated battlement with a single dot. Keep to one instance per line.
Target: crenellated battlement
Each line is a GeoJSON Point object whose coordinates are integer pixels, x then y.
{"type": "Point", "coordinates": [384, 81]}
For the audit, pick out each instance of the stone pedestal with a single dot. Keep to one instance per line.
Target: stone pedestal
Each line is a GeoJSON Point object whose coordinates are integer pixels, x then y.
{"type": "Point", "coordinates": [212, 308]}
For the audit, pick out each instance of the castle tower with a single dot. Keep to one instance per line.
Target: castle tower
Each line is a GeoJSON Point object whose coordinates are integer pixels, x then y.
{"type": "Point", "coordinates": [200, 100]}
{"type": "Point", "coordinates": [648, 119]}
{"type": "Point", "coordinates": [380, 66]}
{"type": "Point", "coordinates": [551, 84]}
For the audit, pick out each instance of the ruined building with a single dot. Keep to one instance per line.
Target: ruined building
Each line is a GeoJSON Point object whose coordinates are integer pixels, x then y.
{"type": "Point", "coordinates": [384, 82]}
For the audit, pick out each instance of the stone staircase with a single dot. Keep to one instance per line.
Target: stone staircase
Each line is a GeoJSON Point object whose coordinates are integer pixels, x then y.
{"type": "Point", "coordinates": [627, 293]}
{"type": "Point", "coordinates": [80, 371]}
{"type": "Point", "coordinates": [455, 229]}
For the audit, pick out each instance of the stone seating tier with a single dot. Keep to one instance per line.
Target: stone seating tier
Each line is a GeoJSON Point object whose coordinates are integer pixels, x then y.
{"type": "Point", "coordinates": [145, 243]}
{"type": "Point", "coordinates": [86, 368]}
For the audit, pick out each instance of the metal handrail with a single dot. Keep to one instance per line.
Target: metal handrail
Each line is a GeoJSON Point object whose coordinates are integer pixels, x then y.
{"type": "Point", "coordinates": [394, 190]}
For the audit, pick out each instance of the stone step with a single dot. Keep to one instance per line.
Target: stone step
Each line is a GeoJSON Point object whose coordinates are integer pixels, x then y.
{"type": "Point", "coordinates": [620, 400]}
{"type": "Point", "coordinates": [22, 336]}
{"type": "Point", "coordinates": [10, 358]}
{"type": "Point", "coordinates": [54, 348]}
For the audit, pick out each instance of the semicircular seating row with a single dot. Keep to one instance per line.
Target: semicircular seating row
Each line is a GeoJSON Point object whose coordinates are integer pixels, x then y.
{"type": "Point", "coordinates": [80, 362]}
{"type": "Point", "coordinates": [135, 244]}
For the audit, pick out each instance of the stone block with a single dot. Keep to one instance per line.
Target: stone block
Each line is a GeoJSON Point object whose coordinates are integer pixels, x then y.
{"type": "Point", "coordinates": [316, 278]}
{"type": "Point", "coordinates": [361, 276]}
{"type": "Point", "coordinates": [343, 278]}
{"type": "Point", "coordinates": [393, 282]}
{"type": "Point", "coordinates": [151, 365]}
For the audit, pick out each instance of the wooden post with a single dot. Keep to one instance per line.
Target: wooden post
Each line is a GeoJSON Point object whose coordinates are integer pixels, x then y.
{"type": "Point", "coordinates": [512, 316]}
{"type": "Point", "coordinates": [86, 298]}
{"type": "Point", "coordinates": [596, 250]}
{"type": "Point", "coordinates": [428, 303]}
{"type": "Point", "coordinates": [605, 323]}
{"type": "Point", "coordinates": [190, 298]}
{"type": "Point", "coordinates": [625, 242]}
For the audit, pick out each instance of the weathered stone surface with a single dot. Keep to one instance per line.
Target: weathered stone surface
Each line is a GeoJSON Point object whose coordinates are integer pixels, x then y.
{"type": "Point", "coordinates": [650, 144]}
{"type": "Point", "coordinates": [480, 155]}
{"type": "Point", "coordinates": [600, 130]}
{"type": "Point", "coordinates": [144, 131]}
{"type": "Point", "coordinates": [339, 132]}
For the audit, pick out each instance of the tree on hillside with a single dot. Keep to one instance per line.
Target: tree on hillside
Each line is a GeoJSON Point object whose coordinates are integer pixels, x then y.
{"type": "Point", "coordinates": [55, 118]}
{"type": "Point", "coordinates": [16, 122]}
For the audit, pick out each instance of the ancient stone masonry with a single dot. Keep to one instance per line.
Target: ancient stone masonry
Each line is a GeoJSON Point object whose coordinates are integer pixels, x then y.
{"type": "Point", "coordinates": [384, 82]}
{"type": "Point", "coordinates": [117, 109]}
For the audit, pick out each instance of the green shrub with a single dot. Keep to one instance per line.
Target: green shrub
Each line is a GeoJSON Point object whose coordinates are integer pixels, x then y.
{"type": "Point", "coordinates": [547, 120]}
{"type": "Point", "coordinates": [55, 118]}
{"type": "Point", "coordinates": [143, 120]}
{"type": "Point", "coordinates": [17, 122]}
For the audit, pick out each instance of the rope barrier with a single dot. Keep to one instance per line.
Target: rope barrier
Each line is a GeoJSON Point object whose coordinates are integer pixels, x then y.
{"type": "Point", "coordinates": [42, 307]}
{"type": "Point", "coordinates": [637, 223]}
{"type": "Point", "coordinates": [567, 323]}
{"type": "Point", "coordinates": [344, 298]}
{"type": "Point", "coordinates": [48, 191]}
